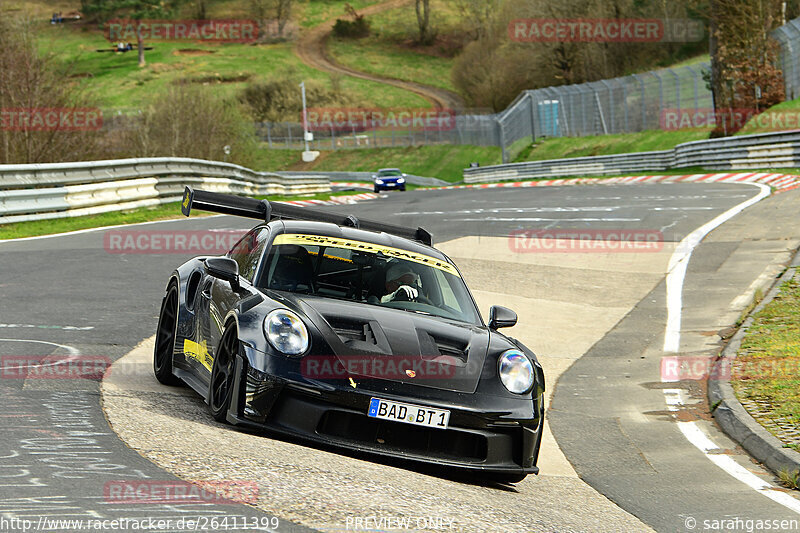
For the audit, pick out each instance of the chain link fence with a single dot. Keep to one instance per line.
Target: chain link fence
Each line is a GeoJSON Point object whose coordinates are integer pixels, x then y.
{"type": "Point", "coordinates": [620, 105]}
{"type": "Point", "coordinates": [478, 130]}
{"type": "Point", "coordinates": [788, 36]}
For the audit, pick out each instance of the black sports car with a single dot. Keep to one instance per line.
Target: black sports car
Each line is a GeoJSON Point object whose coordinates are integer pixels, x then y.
{"type": "Point", "coordinates": [350, 333]}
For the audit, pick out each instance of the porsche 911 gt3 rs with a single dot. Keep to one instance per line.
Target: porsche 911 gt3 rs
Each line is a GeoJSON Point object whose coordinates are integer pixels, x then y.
{"type": "Point", "coordinates": [353, 334]}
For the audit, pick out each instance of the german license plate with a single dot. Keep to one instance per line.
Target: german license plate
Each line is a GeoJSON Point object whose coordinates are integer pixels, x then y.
{"type": "Point", "coordinates": [410, 414]}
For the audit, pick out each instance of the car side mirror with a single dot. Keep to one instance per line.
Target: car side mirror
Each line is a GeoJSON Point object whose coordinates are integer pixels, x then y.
{"type": "Point", "coordinates": [224, 268]}
{"type": "Point", "coordinates": [501, 317]}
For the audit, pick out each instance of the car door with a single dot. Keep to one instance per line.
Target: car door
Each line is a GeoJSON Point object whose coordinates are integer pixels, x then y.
{"type": "Point", "coordinates": [219, 298]}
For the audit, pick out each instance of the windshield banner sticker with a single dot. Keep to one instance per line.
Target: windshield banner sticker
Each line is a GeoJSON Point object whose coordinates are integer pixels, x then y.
{"type": "Point", "coordinates": [397, 253]}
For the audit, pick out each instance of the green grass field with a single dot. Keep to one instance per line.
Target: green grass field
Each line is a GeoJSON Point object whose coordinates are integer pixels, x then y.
{"type": "Point", "coordinates": [117, 82]}
{"type": "Point", "coordinates": [312, 13]}
{"type": "Point", "coordinates": [390, 52]}
{"type": "Point", "coordinates": [441, 161]}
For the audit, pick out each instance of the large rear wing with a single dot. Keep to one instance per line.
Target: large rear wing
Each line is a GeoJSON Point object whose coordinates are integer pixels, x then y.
{"type": "Point", "coordinates": [265, 210]}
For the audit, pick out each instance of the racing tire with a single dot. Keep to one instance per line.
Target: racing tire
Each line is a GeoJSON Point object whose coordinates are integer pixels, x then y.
{"type": "Point", "coordinates": [223, 374]}
{"type": "Point", "coordinates": [165, 338]}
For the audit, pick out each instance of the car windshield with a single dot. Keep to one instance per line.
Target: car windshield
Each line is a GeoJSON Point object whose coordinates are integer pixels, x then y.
{"type": "Point", "coordinates": [369, 273]}
{"type": "Point", "coordinates": [385, 173]}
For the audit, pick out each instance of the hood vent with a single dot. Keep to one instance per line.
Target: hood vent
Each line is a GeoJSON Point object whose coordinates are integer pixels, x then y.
{"type": "Point", "coordinates": [445, 351]}
{"type": "Point", "coordinates": [349, 331]}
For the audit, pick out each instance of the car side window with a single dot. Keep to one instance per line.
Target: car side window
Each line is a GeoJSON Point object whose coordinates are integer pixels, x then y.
{"type": "Point", "coordinates": [247, 251]}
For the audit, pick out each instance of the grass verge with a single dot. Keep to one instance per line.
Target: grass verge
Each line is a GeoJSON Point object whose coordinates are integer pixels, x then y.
{"type": "Point", "coordinates": [438, 161]}
{"type": "Point", "coordinates": [619, 143]}
{"type": "Point", "coordinates": [765, 374]}
{"type": "Point", "coordinates": [116, 218]}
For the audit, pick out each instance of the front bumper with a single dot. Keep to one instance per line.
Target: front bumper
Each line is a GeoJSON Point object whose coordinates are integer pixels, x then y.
{"type": "Point", "coordinates": [503, 440]}
{"type": "Point", "coordinates": [390, 186]}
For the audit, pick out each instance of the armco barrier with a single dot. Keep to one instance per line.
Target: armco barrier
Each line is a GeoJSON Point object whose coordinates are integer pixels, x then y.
{"type": "Point", "coordinates": [46, 191]}
{"type": "Point", "coordinates": [762, 151]}
{"type": "Point", "coordinates": [367, 177]}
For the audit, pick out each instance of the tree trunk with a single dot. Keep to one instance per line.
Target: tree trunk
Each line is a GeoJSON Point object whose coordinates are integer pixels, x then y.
{"type": "Point", "coordinates": [423, 20]}
{"type": "Point", "coordinates": [283, 14]}
{"type": "Point", "coordinates": [713, 50]}
{"type": "Point", "coordinates": [140, 46]}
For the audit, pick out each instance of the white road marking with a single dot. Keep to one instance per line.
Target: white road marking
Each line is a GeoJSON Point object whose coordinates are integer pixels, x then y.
{"type": "Point", "coordinates": [702, 442]}
{"type": "Point", "coordinates": [39, 326]}
{"type": "Point", "coordinates": [72, 351]}
{"type": "Point", "coordinates": [538, 219]}
{"type": "Point", "coordinates": [676, 271]}
{"type": "Point", "coordinates": [694, 434]}
{"type": "Point", "coordinates": [559, 209]}
{"type": "Point", "coordinates": [102, 228]}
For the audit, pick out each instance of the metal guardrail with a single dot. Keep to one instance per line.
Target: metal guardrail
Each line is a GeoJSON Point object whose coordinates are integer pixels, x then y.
{"type": "Point", "coordinates": [761, 151]}
{"type": "Point", "coordinates": [367, 177]}
{"type": "Point", "coordinates": [47, 191]}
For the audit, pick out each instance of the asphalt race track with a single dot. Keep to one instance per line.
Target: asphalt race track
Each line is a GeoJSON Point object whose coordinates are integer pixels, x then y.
{"type": "Point", "coordinates": [626, 465]}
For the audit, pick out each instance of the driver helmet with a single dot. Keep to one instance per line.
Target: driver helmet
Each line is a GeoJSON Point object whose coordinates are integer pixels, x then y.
{"type": "Point", "coordinates": [402, 274]}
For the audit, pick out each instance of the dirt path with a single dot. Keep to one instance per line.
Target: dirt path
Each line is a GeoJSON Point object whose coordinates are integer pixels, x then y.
{"type": "Point", "coordinates": [310, 48]}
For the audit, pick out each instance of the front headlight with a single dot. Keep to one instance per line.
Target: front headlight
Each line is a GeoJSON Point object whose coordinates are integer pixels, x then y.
{"type": "Point", "coordinates": [379, 182]}
{"type": "Point", "coordinates": [401, 180]}
{"type": "Point", "coordinates": [286, 332]}
{"type": "Point", "coordinates": [516, 371]}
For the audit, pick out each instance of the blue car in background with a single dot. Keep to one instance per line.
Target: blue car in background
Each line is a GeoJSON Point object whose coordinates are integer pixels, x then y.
{"type": "Point", "coordinates": [389, 179]}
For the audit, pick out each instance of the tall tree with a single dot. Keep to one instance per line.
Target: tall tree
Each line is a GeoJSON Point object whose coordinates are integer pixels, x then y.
{"type": "Point", "coordinates": [34, 81]}
{"type": "Point", "coordinates": [262, 10]}
{"type": "Point", "coordinates": [744, 72]}
{"type": "Point", "coordinates": [283, 11]}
